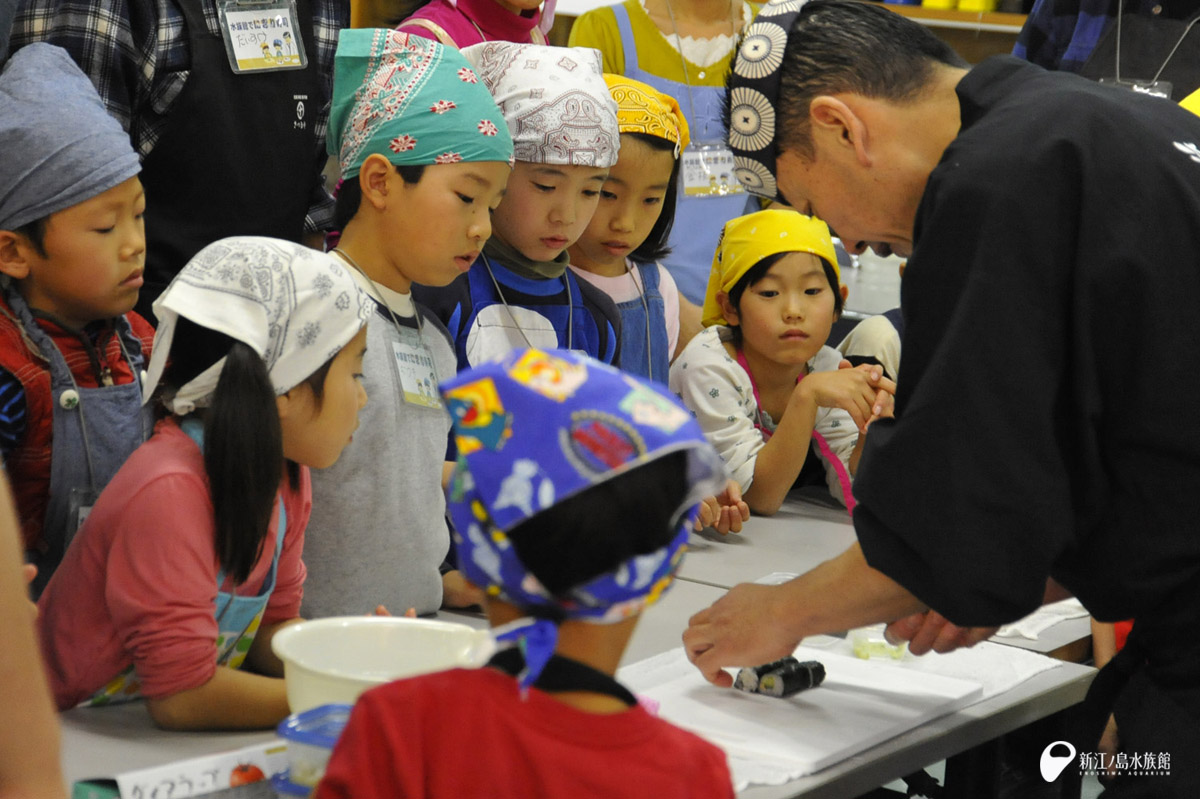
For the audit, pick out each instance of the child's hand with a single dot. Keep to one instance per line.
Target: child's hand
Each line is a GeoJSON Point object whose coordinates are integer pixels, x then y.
{"type": "Point", "coordinates": [857, 390]}
{"type": "Point", "coordinates": [885, 398]}
{"type": "Point", "coordinates": [380, 610]}
{"type": "Point", "coordinates": [459, 592]}
{"type": "Point", "coordinates": [724, 512]}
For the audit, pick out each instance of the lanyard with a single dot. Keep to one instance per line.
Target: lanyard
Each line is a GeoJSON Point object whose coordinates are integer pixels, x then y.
{"type": "Point", "coordinates": [679, 46]}
{"type": "Point", "coordinates": [570, 305]}
{"type": "Point", "coordinates": [823, 445]}
{"type": "Point", "coordinates": [383, 301]}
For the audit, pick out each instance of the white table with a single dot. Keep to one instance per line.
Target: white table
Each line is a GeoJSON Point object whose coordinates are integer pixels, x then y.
{"type": "Point", "coordinates": [801, 536]}
{"type": "Point", "coordinates": [103, 741]}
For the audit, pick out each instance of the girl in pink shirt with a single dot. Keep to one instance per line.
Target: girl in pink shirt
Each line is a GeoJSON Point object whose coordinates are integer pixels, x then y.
{"type": "Point", "coordinates": [190, 560]}
{"type": "Point", "coordinates": [459, 23]}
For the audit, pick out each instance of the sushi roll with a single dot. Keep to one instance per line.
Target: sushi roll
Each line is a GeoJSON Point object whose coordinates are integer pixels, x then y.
{"type": "Point", "coordinates": [748, 678]}
{"type": "Point", "coordinates": [791, 679]}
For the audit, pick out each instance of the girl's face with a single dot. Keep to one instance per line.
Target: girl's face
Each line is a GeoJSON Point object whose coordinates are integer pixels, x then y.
{"type": "Point", "coordinates": [786, 316]}
{"type": "Point", "coordinates": [547, 207]}
{"type": "Point", "coordinates": [630, 203]}
{"type": "Point", "coordinates": [315, 432]}
{"type": "Point", "coordinates": [438, 225]}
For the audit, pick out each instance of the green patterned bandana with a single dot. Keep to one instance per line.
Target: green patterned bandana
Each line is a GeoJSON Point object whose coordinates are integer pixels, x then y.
{"type": "Point", "coordinates": [412, 100]}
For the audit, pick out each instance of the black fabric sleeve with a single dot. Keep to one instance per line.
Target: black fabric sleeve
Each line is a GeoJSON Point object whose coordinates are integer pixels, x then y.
{"type": "Point", "coordinates": [963, 497]}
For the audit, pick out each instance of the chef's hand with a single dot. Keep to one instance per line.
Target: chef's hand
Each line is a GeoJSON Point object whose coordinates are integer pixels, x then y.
{"type": "Point", "coordinates": [725, 512]}
{"type": "Point", "coordinates": [930, 631]}
{"type": "Point", "coordinates": [737, 630]}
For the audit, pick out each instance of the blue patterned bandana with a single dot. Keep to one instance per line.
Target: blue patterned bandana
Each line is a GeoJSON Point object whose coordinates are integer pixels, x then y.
{"type": "Point", "coordinates": [536, 428]}
{"type": "Point", "coordinates": [754, 95]}
{"type": "Point", "coordinates": [412, 100]}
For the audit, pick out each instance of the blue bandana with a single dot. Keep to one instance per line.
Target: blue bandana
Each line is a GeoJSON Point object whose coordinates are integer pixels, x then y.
{"type": "Point", "coordinates": [535, 428]}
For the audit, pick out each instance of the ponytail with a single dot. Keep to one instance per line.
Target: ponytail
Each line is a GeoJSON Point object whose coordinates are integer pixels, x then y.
{"type": "Point", "coordinates": [243, 456]}
{"type": "Point", "coordinates": [243, 441]}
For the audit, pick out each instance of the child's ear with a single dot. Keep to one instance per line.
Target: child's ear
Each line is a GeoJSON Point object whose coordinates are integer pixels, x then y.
{"type": "Point", "coordinates": [728, 310]}
{"type": "Point", "coordinates": [13, 261]}
{"type": "Point", "coordinates": [373, 179]}
{"type": "Point", "coordinates": [845, 291]}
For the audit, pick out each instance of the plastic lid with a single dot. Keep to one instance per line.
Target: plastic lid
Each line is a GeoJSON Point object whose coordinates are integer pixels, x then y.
{"type": "Point", "coordinates": [318, 726]}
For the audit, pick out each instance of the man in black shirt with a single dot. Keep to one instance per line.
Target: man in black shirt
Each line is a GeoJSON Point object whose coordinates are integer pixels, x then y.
{"type": "Point", "coordinates": [1044, 423]}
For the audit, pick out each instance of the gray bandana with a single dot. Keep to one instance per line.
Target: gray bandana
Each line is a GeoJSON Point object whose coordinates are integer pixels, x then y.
{"type": "Point", "coordinates": [60, 146]}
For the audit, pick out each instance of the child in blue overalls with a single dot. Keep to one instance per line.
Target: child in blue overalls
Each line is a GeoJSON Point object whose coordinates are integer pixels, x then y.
{"type": "Point", "coordinates": [72, 251]}
{"type": "Point", "coordinates": [628, 233]}
{"type": "Point", "coordinates": [519, 292]}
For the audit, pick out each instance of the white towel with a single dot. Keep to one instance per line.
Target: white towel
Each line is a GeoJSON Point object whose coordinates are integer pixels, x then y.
{"type": "Point", "coordinates": [1043, 619]}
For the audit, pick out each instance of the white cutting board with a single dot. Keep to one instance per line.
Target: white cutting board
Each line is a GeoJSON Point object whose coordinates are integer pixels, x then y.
{"type": "Point", "coordinates": [861, 703]}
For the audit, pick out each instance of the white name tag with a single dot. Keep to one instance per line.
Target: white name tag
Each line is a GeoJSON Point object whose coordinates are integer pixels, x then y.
{"type": "Point", "coordinates": [706, 170]}
{"type": "Point", "coordinates": [416, 370]}
{"type": "Point", "coordinates": [262, 35]}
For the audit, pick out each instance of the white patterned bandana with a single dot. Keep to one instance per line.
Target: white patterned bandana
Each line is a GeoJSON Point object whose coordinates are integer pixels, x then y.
{"type": "Point", "coordinates": [412, 100]}
{"type": "Point", "coordinates": [296, 307]}
{"type": "Point", "coordinates": [555, 101]}
{"type": "Point", "coordinates": [754, 93]}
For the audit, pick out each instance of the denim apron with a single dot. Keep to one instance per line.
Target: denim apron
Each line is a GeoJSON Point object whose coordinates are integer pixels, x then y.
{"type": "Point", "coordinates": [698, 220]}
{"type": "Point", "coordinates": [238, 617]}
{"type": "Point", "coordinates": [644, 335]}
{"type": "Point", "coordinates": [88, 446]}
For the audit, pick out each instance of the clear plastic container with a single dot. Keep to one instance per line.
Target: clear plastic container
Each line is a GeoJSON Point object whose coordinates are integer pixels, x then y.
{"type": "Point", "coordinates": [310, 738]}
{"type": "Point", "coordinates": [869, 643]}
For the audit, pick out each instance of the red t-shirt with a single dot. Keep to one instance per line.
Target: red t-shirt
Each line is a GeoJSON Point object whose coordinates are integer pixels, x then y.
{"type": "Point", "coordinates": [139, 582]}
{"type": "Point", "coordinates": [467, 733]}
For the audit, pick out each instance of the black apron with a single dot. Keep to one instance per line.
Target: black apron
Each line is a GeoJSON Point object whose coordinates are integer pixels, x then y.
{"type": "Point", "coordinates": [238, 156]}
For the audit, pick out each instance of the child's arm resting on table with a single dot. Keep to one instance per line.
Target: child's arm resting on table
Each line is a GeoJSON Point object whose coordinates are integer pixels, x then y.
{"type": "Point", "coordinates": [230, 700]}
{"type": "Point", "coordinates": [778, 463]}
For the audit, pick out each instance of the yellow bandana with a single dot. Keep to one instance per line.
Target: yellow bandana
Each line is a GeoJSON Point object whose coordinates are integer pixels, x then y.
{"type": "Point", "coordinates": [1191, 102]}
{"type": "Point", "coordinates": [642, 109]}
{"type": "Point", "coordinates": [748, 239]}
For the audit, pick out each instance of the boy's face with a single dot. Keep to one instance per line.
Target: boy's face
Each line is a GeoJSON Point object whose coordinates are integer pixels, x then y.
{"type": "Point", "coordinates": [94, 255]}
{"type": "Point", "coordinates": [547, 207]}
{"type": "Point", "coordinates": [441, 222]}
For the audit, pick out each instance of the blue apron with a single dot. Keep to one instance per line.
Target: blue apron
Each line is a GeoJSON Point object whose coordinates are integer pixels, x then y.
{"type": "Point", "coordinates": [238, 617]}
{"type": "Point", "coordinates": [570, 326]}
{"type": "Point", "coordinates": [698, 220]}
{"type": "Point", "coordinates": [634, 328]}
{"type": "Point", "coordinates": [87, 446]}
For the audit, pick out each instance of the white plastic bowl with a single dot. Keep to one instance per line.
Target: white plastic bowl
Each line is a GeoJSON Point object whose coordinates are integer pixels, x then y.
{"type": "Point", "coordinates": [336, 659]}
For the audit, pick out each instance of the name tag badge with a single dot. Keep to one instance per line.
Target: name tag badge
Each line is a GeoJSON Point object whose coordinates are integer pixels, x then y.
{"type": "Point", "coordinates": [262, 35]}
{"type": "Point", "coordinates": [1154, 88]}
{"type": "Point", "coordinates": [416, 370]}
{"type": "Point", "coordinates": [707, 171]}
{"type": "Point", "coordinates": [80, 502]}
